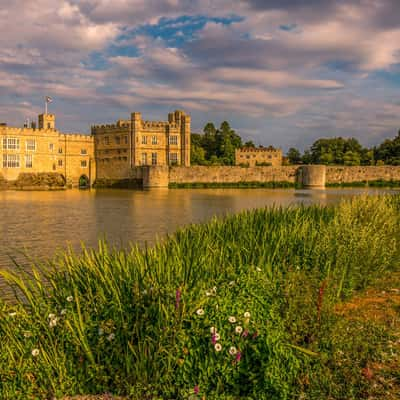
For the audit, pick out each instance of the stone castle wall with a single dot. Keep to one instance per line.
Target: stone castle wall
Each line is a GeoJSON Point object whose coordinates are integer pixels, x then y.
{"type": "Point", "coordinates": [340, 174]}
{"type": "Point", "coordinates": [292, 174]}
{"type": "Point", "coordinates": [200, 174]}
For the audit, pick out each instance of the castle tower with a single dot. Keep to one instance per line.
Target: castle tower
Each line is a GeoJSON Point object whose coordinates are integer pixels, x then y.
{"type": "Point", "coordinates": [136, 127]}
{"type": "Point", "coordinates": [185, 137]}
{"type": "Point", "coordinates": [47, 121]}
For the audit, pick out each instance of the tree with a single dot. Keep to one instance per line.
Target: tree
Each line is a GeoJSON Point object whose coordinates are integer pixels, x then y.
{"type": "Point", "coordinates": [389, 151]}
{"type": "Point", "coordinates": [249, 144]}
{"type": "Point", "coordinates": [294, 156]}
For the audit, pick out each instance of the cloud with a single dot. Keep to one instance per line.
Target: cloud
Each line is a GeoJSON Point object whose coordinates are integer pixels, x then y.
{"type": "Point", "coordinates": [289, 69]}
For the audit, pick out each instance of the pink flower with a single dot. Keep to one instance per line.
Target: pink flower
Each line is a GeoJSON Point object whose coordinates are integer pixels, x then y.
{"type": "Point", "coordinates": [213, 338]}
{"type": "Point", "coordinates": [238, 356]}
{"type": "Point", "coordinates": [177, 298]}
{"type": "Point", "coordinates": [255, 335]}
{"type": "Point", "coordinates": [245, 333]}
{"type": "Point", "coordinates": [196, 389]}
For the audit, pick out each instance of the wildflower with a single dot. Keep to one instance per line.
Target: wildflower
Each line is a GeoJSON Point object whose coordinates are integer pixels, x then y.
{"type": "Point", "coordinates": [238, 356]}
{"type": "Point", "coordinates": [53, 322]}
{"type": "Point", "coordinates": [217, 347]}
{"type": "Point", "coordinates": [144, 292]}
{"type": "Point", "coordinates": [247, 314]}
{"type": "Point", "coordinates": [231, 283]}
{"type": "Point", "coordinates": [213, 339]}
{"type": "Point", "coordinates": [213, 329]}
{"type": "Point", "coordinates": [217, 336]}
{"type": "Point", "coordinates": [245, 333]}
{"type": "Point", "coordinates": [52, 316]}
{"type": "Point", "coordinates": [200, 311]}
{"type": "Point", "coordinates": [208, 294]}
{"type": "Point", "coordinates": [196, 389]}
{"type": "Point", "coordinates": [12, 314]}
{"type": "Point", "coordinates": [232, 319]}
{"type": "Point", "coordinates": [111, 337]}
{"type": "Point", "coordinates": [177, 298]}
{"type": "Point", "coordinates": [232, 351]}
{"type": "Point", "coordinates": [70, 299]}
{"type": "Point", "coordinates": [100, 331]}
{"type": "Point", "coordinates": [238, 329]}
{"type": "Point", "coordinates": [35, 352]}
{"type": "Point", "coordinates": [27, 334]}
{"type": "Point", "coordinates": [214, 289]}
{"type": "Point", "coordinates": [63, 311]}
{"type": "Point", "coordinates": [255, 335]}
{"type": "Point", "coordinates": [258, 269]}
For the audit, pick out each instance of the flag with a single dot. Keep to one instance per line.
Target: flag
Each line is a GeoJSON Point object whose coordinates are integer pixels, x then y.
{"type": "Point", "coordinates": [48, 99]}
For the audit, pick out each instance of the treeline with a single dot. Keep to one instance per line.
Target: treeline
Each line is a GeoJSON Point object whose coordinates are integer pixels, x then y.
{"type": "Point", "coordinates": [341, 151]}
{"type": "Point", "coordinates": [217, 147]}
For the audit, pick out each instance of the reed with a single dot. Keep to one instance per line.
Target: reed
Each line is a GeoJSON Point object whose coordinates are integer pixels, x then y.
{"type": "Point", "coordinates": [240, 307]}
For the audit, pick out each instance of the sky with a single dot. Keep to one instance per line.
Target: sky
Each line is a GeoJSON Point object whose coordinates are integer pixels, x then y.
{"type": "Point", "coordinates": [281, 72]}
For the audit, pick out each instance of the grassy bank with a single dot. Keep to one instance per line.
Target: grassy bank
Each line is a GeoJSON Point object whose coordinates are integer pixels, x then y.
{"type": "Point", "coordinates": [245, 307]}
{"type": "Point", "coordinates": [239, 185]}
{"type": "Point", "coordinates": [380, 183]}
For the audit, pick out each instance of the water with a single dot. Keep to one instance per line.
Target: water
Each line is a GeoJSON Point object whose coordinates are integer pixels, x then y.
{"type": "Point", "coordinates": [42, 223]}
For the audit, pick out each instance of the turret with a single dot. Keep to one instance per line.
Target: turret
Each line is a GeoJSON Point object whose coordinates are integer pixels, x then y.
{"type": "Point", "coordinates": [47, 121]}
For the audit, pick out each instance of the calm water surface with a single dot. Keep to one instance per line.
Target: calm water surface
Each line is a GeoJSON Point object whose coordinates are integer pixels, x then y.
{"type": "Point", "coordinates": [41, 223]}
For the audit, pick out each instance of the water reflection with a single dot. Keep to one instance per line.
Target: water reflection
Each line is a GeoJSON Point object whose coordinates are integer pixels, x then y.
{"type": "Point", "coordinates": [43, 222]}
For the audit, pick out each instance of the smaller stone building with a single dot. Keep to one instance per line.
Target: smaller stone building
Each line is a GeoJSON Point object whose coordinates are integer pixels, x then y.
{"type": "Point", "coordinates": [31, 150]}
{"type": "Point", "coordinates": [258, 156]}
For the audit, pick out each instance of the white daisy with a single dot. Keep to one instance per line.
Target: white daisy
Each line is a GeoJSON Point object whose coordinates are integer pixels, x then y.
{"type": "Point", "coordinates": [70, 298]}
{"type": "Point", "coordinates": [217, 347]}
{"type": "Point", "coordinates": [200, 311]}
{"type": "Point", "coordinates": [110, 337]}
{"type": "Point", "coordinates": [35, 352]}
{"type": "Point", "coordinates": [238, 329]}
{"type": "Point", "coordinates": [247, 314]}
{"type": "Point", "coordinates": [232, 351]}
{"type": "Point", "coordinates": [232, 319]}
{"type": "Point", "coordinates": [213, 329]}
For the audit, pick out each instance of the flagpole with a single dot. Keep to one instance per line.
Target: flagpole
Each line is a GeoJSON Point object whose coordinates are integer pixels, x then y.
{"type": "Point", "coordinates": [45, 105]}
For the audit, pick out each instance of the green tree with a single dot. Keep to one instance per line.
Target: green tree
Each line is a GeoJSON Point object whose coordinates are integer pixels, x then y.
{"type": "Point", "coordinates": [389, 151]}
{"type": "Point", "coordinates": [294, 156]}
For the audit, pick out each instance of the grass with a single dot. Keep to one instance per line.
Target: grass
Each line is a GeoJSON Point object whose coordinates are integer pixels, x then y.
{"type": "Point", "coordinates": [379, 183]}
{"type": "Point", "coordinates": [138, 323]}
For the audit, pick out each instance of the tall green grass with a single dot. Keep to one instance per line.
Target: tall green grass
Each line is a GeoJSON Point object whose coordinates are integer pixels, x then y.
{"type": "Point", "coordinates": [138, 322]}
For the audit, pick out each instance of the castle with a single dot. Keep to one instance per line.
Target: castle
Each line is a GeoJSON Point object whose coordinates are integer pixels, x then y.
{"type": "Point", "coordinates": [258, 156]}
{"type": "Point", "coordinates": [111, 152]}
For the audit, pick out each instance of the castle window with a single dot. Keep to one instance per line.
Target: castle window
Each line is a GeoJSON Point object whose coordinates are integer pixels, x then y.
{"type": "Point", "coordinates": [154, 140]}
{"type": "Point", "coordinates": [153, 158]}
{"type": "Point", "coordinates": [60, 163]}
{"type": "Point", "coordinates": [54, 167]}
{"type": "Point", "coordinates": [173, 158]}
{"type": "Point", "coordinates": [30, 145]}
{"type": "Point", "coordinates": [29, 161]}
{"type": "Point", "coordinates": [83, 151]}
{"type": "Point", "coordinates": [144, 158]}
{"type": "Point", "coordinates": [117, 140]}
{"type": "Point", "coordinates": [10, 160]}
{"type": "Point", "coordinates": [51, 146]}
{"type": "Point", "coordinates": [60, 150]}
{"type": "Point", "coordinates": [48, 125]}
{"type": "Point", "coordinates": [106, 140]}
{"type": "Point", "coordinates": [83, 163]}
{"type": "Point", "coordinates": [11, 143]}
{"type": "Point", "coordinates": [173, 139]}
{"type": "Point", "coordinates": [270, 156]}
{"type": "Point", "coordinates": [126, 139]}
{"type": "Point", "coordinates": [144, 139]}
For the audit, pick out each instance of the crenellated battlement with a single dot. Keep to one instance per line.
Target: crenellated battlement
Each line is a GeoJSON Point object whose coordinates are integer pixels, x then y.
{"type": "Point", "coordinates": [258, 149]}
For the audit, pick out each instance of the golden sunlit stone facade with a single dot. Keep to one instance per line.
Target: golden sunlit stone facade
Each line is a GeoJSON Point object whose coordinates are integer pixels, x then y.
{"type": "Point", "coordinates": [127, 144]}
{"type": "Point", "coordinates": [258, 156]}
{"type": "Point", "coordinates": [46, 150]}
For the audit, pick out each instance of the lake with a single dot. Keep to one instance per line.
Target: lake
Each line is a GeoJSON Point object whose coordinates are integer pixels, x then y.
{"type": "Point", "coordinates": [41, 223]}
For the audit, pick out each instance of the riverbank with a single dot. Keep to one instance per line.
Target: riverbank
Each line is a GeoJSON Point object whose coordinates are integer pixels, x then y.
{"type": "Point", "coordinates": [245, 306]}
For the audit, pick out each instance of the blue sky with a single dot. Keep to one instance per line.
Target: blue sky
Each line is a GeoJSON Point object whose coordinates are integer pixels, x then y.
{"type": "Point", "coordinates": [281, 72]}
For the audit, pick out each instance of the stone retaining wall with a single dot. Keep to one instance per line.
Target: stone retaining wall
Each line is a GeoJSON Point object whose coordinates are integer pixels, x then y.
{"type": "Point", "coordinates": [341, 174]}
{"type": "Point", "coordinates": [200, 174]}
